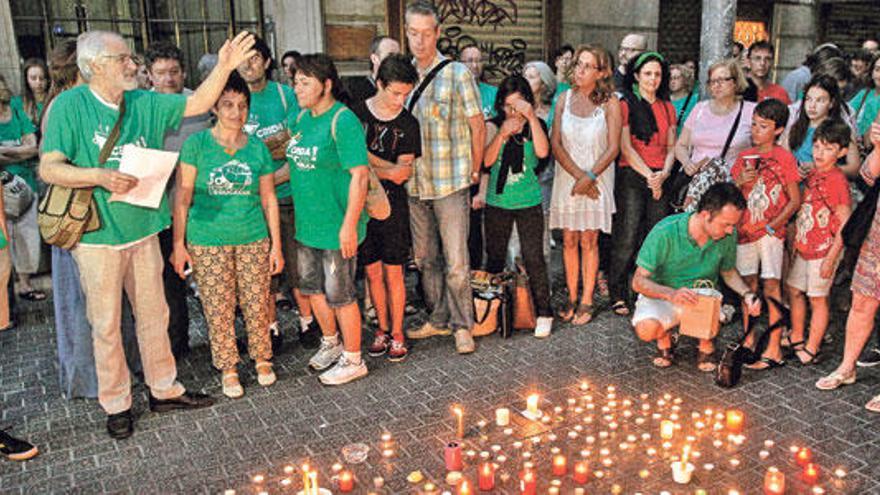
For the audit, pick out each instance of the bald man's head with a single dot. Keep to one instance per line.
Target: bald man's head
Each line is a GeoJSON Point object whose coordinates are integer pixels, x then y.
{"type": "Point", "coordinates": [632, 45]}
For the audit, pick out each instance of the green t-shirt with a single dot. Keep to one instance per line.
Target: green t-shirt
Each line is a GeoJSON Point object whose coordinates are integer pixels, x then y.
{"type": "Point", "coordinates": [676, 261]}
{"type": "Point", "coordinates": [79, 124]}
{"type": "Point", "coordinates": [269, 114]}
{"type": "Point", "coordinates": [18, 102]}
{"type": "Point", "coordinates": [487, 99]}
{"type": "Point", "coordinates": [11, 134]}
{"type": "Point", "coordinates": [868, 111]}
{"type": "Point", "coordinates": [681, 113]}
{"type": "Point", "coordinates": [226, 208]}
{"type": "Point", "coordinates": [520, 190]}
{"type": "Point", "coordinates": [319, 173]}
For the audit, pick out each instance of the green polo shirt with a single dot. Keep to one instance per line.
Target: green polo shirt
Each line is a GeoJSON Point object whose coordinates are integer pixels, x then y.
{"type": "Point", "coordinates": [675, 260]}
{"type": "Point", "coordinates": [268, 115]}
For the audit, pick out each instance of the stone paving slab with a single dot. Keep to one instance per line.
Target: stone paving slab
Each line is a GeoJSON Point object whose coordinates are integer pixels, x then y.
{"type": "Point", "coordinates": [225, 446]}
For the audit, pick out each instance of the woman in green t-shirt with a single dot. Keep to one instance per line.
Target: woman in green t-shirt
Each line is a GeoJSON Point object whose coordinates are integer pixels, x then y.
{"type": "Point", "coordinates": [517, 140]}
{"type": "Point", "coordinates": [6, 322]}
{"type": "Point", "coordinates": [226, 227]}
{"type": "Point", "coordinates": [327, 166]}
{"type": "Point", "coordinates": [18, 146]}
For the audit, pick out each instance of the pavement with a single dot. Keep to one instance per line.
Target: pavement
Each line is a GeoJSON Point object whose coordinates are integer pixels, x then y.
{"type": "Point", "coordinates": [254, 444]}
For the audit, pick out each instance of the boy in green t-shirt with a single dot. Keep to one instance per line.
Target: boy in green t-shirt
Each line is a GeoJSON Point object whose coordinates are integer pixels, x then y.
{"type": "Point", "coordinates": [680, 250]}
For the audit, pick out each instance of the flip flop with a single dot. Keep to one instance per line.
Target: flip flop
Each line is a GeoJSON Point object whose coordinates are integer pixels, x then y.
{"type": "Point", "coordinates": [33, 295]}
{"type": "Point", "coordinates": [873, 405]}
{"type": "Point", "coordinates": [620, 308]}
{"type": "Point", "coordinates": [664, 358]}
{"type": "Point", "coordinates": [706, 361]}
{"type": "Point", "coordinates": [566, 312]}
{"type": "Point", "coordinates": [813, 357]}
{"type": "Point", "coordinates": [583, 314]}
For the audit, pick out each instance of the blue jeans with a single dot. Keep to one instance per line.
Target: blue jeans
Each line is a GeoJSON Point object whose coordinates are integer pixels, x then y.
{"type": "Point", "coordinates": [444, 224]}
{"type": "Point", "coordinates": [76, 358]}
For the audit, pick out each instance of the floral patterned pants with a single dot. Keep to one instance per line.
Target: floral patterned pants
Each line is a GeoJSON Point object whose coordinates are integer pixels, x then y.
{"type": "Point", "coordinates": [224, 272]}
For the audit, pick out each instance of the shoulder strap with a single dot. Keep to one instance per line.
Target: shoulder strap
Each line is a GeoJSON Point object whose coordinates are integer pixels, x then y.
{"type": "Point", "coordinates": [301, 113]}
{"type": "Point", "coordinates": [425, 83]}
{"type": "Point", "coordinates": [732, 130]}
{"type": "Point", "coordinates": [335, 119]}
{"type": "Point", "coordinates": [281, 95]}
{"type": "Point", "coordinates": [862, 103]}
{"type": "Point", "coordinates": [107, 149]}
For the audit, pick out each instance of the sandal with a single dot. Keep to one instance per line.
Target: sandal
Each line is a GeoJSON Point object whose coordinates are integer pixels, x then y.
{"type": "Point", "coordinates": [583, 315]}
{"type": "Point", "coordinates": [265, 375]}
{"type": "Point", "coordinates": [33, 295]}
{"type": "Point", "coordinates": [706, 361]}
{"type": "Point", "coordinates": [664, 358]}
{"type": "Point", "coordinates": [231, 386]}
{"type": "Point", "coordinates": [873, 405]}
{"type": "Point", "coordinates": [765, 363]}
{"type": "Point", "coordinates": [566, 312]}
{"type": "Point", "coordinates": [835, 380]}
{"type": "Point", "coordinates": [813, 357]}
{"type": "Point", "coordinates": [620, 308]}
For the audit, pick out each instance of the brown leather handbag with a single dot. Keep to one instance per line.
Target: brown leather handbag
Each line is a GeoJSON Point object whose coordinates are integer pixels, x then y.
{"type": "Point", "coordinates": [524, 317]}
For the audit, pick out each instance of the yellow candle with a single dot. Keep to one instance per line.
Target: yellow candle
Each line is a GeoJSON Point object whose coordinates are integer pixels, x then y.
{"type": "Point", "coordinates": [667, 429]}
{"type": "Point", "coordinates": [313, 482]}
{"type": "Point", "coordinates": [459, 417]}
{"type": "Point", "coordinates": [532, 404]}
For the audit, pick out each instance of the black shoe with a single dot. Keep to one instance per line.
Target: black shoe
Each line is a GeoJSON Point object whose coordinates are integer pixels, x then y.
{"type": "Point", "coordinates": [189, 400]}
{"type": "Point", "coordinates": [310, 338]}
{"type": "Point", "coordinates": [120, 425]}
{"type": "Point", "coordinates": [277, 340]}
{"type": "Point", "coordinates": [869, 358]}
{"type": "Point", "coordinates": [16, 449]}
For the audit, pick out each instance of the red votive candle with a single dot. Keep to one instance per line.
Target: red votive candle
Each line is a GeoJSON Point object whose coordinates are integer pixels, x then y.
{"type": "Point", "coordinates": [810, 474]}
{"type": "Point", "coordinates": [486, 480]}
{"type": "Point", "coordinates": [528, 482]}
{"type": "Point", "coordinates": [581, 472]}
{"type": "Point", "coordinates": [465, 487]}
{"type": "Point", "coordinates": [560, 465]}
{"type": "Point", "coordinates": [346, 481]}
{"type": "Point", "coordinates": [452, 456]}
{"type": "Point", "coordinates": [804, 456]}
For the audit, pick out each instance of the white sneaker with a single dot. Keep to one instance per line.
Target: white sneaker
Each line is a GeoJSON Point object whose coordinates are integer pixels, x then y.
{"type": "Point", "coordinates": [542, 329]}
{"type": "Point", "coordinates": [326, 355]}
{"type": "Point", "coordinates": [344, 372]}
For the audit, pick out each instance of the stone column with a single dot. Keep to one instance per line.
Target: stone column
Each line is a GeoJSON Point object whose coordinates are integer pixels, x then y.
{"type": "Point", "coordinates": [10, 65]}
{"type": "Point", "coordinates": [295, 25]}
{"type": "Point", "coordinates": [794, 33]}
{"type": "Point", "coordinates": [716, 34]}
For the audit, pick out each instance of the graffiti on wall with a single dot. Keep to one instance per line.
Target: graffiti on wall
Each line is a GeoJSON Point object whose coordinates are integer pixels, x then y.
{"type": "Point", "coordinates": [463, 16]}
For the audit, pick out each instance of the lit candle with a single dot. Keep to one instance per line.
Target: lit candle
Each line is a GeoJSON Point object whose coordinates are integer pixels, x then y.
{"type": "Point", "coordinates": [774, 482]}
{"type": "Point", "coordinates": [305, 471]}
{"type": "Point", "coordinates": [486, 480]}
{"type": "Point", "coordinates": [581, 472]}
{"type": "Point", "coordinates": [810, 474]}
{"type": "Point", "coordinates": [682, 472]}
{"type": "Point", "coordinates": [667, 429]}
{"type": "Point", "coordinates": [313, 483]}
{"type": "Point", "coordinates": [734, 419]}
{"type": "Point", "coordinates": [465, 488]}
{"type": "Point", "coordinates": [532, 405]}
{"type": "Point", "coordinates": [346, 481]}
{"type": "Point", "coordinates": [804, 456]}
{"type": "Point", "coordinates": [502, 416]}
{"type": "Point", "coordinates": [560, 466]}
{"type": "Point", "coordinates": [528, 482]}
{"type": "Point", "coordinates": [459, 421]}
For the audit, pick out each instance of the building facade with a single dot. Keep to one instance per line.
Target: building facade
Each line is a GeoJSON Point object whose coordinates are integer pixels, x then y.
{"type": "Point", "coordinates": [510, 32]}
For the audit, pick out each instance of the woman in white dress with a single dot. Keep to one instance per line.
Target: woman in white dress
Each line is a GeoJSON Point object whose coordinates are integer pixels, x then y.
{"type": "Point", "coordinates": [585, 140]}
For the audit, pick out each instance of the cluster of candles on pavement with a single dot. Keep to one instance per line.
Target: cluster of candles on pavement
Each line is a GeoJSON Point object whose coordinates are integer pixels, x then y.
{"type": "Point", "coordinates": [613, 419]}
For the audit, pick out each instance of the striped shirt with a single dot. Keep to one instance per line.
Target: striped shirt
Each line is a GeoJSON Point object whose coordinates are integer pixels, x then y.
{"type": "Point", "coordinates": [443, 111]}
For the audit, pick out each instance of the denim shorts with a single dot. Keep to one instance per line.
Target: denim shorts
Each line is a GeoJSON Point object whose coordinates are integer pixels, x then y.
{"type": "Point", "coordinates": [325, 271]}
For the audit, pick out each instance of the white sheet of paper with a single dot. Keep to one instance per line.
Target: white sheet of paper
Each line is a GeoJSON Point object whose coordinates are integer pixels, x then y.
{"type": "Point", "coordinates": [152, 168]}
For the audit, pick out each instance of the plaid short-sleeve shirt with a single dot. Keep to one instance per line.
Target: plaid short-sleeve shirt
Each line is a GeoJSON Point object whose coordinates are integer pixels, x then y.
{"type": "Point", "coordinates": [443, 111]}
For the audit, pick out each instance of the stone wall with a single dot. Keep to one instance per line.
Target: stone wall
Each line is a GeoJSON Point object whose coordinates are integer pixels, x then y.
{"type": "Point", "coordinates": [9, 63]}
{"type": "Point", "coordinates": [607, 21]}
{"type": "Point", "coordinates": [848, 24]}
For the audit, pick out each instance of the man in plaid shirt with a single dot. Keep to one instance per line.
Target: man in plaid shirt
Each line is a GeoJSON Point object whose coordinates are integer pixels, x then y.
{"type": "Point", "coordinates": [453, 134]}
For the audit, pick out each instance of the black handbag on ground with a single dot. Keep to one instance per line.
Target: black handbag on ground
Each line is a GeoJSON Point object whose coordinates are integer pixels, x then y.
{"type": "Point", "coordinates": [729, 370]}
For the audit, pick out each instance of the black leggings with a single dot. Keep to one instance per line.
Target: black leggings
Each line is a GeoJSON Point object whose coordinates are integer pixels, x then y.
{"type": "Point", "coordinates": [530, 226]}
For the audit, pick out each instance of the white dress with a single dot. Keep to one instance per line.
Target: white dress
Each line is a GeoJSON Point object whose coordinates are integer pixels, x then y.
{"type": "Point", "coordinates": [585, 139]}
